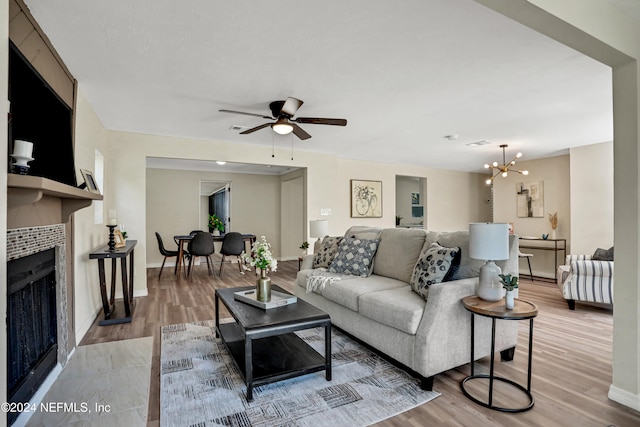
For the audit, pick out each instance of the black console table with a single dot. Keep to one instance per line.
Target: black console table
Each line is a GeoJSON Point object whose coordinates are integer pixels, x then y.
{"type": "Point", "coordinates": [108, 301]}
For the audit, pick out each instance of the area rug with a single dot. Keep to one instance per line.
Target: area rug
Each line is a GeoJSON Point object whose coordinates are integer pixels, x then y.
{"type": "Point", "coordinates": [200, 385]}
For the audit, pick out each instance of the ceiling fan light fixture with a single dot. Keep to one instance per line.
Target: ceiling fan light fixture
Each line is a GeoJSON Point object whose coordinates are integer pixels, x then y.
{"type": "Point", "coordinates": [282, 127]}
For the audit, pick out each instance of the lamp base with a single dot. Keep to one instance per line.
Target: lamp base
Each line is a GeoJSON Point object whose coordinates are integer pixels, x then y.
{"type": "Point", "coordinates": [489, 286]}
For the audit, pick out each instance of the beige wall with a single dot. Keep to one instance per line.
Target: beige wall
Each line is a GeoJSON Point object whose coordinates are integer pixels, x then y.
{"type": "Point", "coordinates": [554, 172]}
{"type": "Point", "coordinates": [173, 207]}
{"type": "Point", "coordinates": [90, 135]}
{"type": "Point", "coordinates": [591, 198]}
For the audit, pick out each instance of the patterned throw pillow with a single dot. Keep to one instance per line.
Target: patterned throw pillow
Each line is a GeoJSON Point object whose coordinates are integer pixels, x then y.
{"type": "Point", "coordinates": [436, 264]}
{"type": "Point", "coordinates": [327, 251]}
{"type": "Point", "coordinates": [355, 257]}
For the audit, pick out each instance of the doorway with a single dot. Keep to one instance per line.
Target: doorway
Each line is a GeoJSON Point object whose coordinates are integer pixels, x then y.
{"type": "Point", "coordinates": [215, 199]}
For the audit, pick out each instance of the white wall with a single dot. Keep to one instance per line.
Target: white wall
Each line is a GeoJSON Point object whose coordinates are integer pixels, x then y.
{"type": "Point", "coordinates": [591, 198]}
{"type": "Point", "coordinates": [554, 172]}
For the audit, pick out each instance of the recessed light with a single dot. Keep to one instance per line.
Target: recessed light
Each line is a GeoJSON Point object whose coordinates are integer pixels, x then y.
{"type": "Point", "coordinates": [478, 143]}
{"type": "Point", "coordinates": [220, 162]}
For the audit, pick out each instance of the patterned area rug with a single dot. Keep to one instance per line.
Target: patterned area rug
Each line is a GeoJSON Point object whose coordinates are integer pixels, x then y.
{"type": "Point", "coordinates": [200, 385]}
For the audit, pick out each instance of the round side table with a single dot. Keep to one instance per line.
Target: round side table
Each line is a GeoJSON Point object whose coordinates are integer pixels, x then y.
{"type": "Point", "coordinates": [496, 310]}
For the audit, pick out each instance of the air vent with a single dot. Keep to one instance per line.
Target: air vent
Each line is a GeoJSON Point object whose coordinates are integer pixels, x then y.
{"type": "Point", "coordinates": [238, 127]}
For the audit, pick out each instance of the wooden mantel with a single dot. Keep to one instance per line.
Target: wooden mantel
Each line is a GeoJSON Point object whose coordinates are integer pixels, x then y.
{"type": "Point", "coordinates": [25, 190]}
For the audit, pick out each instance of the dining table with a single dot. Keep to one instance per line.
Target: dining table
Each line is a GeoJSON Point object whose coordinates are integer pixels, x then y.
{"type": "Point", "coordinates": [181, 239]}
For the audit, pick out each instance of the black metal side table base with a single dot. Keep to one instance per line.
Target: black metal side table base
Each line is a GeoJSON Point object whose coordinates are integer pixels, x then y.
{"type": "Point", "coordinates": [498, 408]}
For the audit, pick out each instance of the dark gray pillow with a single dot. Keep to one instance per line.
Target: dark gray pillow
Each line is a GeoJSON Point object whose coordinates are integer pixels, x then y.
{"type": "Point", "coordinates": [435, 264]}
{"type": "Point", "coordinates": [327, 251]}
{"type": "Point", "coordinates": [603, 254]}
{"type": "Point", "coordinates": [355, 257]}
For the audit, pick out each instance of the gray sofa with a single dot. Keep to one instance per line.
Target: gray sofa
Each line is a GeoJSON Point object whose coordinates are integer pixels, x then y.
{"type": "Point", "coordinates": [426, 337]}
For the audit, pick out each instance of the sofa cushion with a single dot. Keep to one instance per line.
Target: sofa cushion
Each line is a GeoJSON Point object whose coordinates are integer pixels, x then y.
{"type": "Point", "coordinates": [355, 257]}
{"type": "Point", "coordinates": [346, 292]}
{"type": "Point", "coordinates": [399, 308]}
{"type": "Point", "coordinates": [363, 232]}
{"type": "Point", "coordinates": [398, 252]}
{"type": "Point", "coordinates": [603, 254]}
{"type": "Point", "coordinates": [468, 267]}
{"type": "Point", "coordinates": [326, 252]}
{"type": "Point", "coordinates": [435, 264]}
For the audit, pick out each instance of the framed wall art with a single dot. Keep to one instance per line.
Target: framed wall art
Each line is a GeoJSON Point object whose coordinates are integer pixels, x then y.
{"type": "Point", "coordinates": [90, 182]}
{"type": "Point", "coordinates": [366, 199]}
{"type": "Point", "coordinates": [530, 199]}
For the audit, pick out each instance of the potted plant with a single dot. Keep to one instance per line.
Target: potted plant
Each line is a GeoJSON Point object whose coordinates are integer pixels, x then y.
{"type": "Point", "coordinates": [304, 246]}
{"type": "Point", "coordinates": [510, 283]}
{"type": "Point", "coordinates": [216, 224]}
{"type": "Point", "coordinates": [398, 219]}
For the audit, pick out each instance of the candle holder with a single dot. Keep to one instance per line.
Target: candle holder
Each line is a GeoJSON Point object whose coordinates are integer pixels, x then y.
{"type": "Point", "coordinates": [112, 241]}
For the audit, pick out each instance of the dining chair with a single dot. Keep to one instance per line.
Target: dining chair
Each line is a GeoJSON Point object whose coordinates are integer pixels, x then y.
{"type": "Point", "coordinates": [201, 245]}
{"type": "Point", "coordinates": [232, 245]}
{"type": "Point", "coordinates": [528, 257]}
{"type": "Point", "coordinates": [166, 253]}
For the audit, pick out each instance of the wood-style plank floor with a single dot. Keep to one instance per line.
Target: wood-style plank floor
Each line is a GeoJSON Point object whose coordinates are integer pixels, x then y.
{"type": "Point", "coordinates": [571, 354]}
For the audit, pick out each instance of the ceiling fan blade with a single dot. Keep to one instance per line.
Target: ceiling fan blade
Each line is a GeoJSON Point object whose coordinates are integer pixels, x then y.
{"type": "Point", "coordinates": [320, 121]}
{"type": "Point", "coordinates": [299, 132]}
{"type": "Point", "coordinates": [255, 129]}
{"type": "Point", "coordinates": [290, 106]}
{"type": "Point", "coordinates": [246, 114]}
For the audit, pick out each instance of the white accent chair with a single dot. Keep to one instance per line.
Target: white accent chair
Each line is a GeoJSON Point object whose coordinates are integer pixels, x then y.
{"type": "Point", "coordinates": [584, 279]}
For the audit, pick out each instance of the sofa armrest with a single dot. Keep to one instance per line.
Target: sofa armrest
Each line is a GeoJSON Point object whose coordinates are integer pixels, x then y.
{"type": "Point", "coordinates": [447, 324]}
{"type": "Point", "coordinates": [589, 280]}
{"type": "Point", "coordinates": [307, 262]}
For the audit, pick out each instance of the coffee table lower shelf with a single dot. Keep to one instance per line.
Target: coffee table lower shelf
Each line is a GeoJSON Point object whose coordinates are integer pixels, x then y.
{"type": "Point", "coordinates": [274, 358]}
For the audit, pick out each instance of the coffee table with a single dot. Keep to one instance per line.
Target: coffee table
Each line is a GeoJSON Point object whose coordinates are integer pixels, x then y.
{"type": "Point", "coordinates": [262, 343]}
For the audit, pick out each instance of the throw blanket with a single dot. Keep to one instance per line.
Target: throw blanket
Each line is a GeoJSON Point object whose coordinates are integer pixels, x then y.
{"type": "Point", "coordinates": [319, 278]}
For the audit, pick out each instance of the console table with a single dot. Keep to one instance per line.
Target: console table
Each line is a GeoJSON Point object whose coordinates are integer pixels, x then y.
{"type": "Point", "coordinates": [496, 310]}
{"type": "Point", "coordinates": [556, 245]}
{"type": "Point", "coordinates": [108, 301]}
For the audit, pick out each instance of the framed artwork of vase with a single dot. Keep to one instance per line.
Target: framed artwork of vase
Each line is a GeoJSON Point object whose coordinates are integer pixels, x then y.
{"type": "Point", "coordinates": [530, 199]}
{"type": "Point", "coordinates": [366, 199]}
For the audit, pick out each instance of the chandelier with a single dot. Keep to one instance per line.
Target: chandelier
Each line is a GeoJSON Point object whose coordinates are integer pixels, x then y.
{"type": "Point", "coordinates": [505, 168]}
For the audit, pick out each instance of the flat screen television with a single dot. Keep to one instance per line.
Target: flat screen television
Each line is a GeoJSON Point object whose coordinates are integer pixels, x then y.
{"type": "Point", "coordinates": [38, 115]}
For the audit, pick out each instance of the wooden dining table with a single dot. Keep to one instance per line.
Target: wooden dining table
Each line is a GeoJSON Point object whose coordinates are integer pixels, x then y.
{"type": "Point", "coordinates": [181, 239]}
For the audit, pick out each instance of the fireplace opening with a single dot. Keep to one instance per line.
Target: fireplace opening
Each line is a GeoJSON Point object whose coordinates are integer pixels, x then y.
{"type": "Point", "coordinates": [31, 324]}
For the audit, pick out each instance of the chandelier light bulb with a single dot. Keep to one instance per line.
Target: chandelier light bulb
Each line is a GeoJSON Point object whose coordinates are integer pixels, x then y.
{"type": "Point", "coordinates": [525, 172]}
{"type": "Point", "coordinates": [504, 174]}
{"type": "Point", "coordinates": [513, 162]}
{"type": "Point", "coordinates": [486, 166]}
{"type": "Point", "coordinates": [489, 181]}
{"type": "Point", "coordinates": [518, 155]}
{"type": "Point", "coordinates": [495, 164]}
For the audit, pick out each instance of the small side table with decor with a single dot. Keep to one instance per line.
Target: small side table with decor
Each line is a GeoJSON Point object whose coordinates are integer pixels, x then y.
{"type": "Point", "coordinates": [496, 310]}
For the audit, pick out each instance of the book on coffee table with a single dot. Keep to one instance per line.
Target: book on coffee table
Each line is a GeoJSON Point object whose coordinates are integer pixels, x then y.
{"type": "Point", "coordinates": [278, 299]}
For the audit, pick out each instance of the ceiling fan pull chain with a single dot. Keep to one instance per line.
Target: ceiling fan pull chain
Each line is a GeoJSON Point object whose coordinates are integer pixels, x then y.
{"type": "Point", "coordinates": [291, 137]}
{"type": "Point", "coordinates": [273, 146]}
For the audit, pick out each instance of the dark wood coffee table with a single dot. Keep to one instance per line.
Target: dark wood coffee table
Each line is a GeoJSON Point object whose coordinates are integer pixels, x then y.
{"type": "Point", "coordinates": [262, 342]}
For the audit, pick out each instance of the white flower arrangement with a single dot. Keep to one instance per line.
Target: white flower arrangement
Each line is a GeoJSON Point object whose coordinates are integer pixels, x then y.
{"type": "Point", "coordinates": [261, 256]}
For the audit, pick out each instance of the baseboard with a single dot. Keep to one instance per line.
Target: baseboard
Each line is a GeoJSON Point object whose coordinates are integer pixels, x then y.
{"type": "Point", "coordinates": [624, 397]}
{"type": "Point", "coordinates": [81, 332]}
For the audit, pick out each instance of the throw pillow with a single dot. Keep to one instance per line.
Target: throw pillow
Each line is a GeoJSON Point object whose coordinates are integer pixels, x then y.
{"type": "Point", "coordinates": [603, 254]}
{"type": "Point", "coordinates": [363, 232]}
{"type": "Point", "coordinates": [355, 257]}
{"type": "Point", "coordinates": [436, 264]}
{"type": "Point", "coordinates": [327, 251]}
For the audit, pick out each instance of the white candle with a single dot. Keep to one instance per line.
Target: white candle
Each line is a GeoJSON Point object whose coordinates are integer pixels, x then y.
{"type": "Point", "coordinates": [112, 217]}
{"type": "Point", "coordinates": [22, 148]}
{"type": "Point", "coordinates": [113, 221]}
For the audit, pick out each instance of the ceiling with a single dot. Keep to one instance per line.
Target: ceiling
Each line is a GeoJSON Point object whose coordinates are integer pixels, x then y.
{"type": "Point", "coordinates": [404, 75]}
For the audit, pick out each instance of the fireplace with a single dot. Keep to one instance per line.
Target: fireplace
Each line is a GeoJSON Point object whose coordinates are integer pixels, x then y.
{"type": "Point", "coordinates": [36, 308]}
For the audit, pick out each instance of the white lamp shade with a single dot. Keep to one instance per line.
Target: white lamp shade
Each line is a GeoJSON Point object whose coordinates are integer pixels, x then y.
{"type": "Point", "coordinates": [489, 241]}
{"type": "Point", "coordinates": [319, 228]}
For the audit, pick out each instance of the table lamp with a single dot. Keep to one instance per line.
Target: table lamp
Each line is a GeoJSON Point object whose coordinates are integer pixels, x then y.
{"type": "Point", "coordinates": [318, 228]}
{"type": "Point", "coordinates": [490, 242]}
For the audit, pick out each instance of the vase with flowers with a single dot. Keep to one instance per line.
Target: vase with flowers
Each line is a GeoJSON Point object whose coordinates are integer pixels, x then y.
{"type": "Point", "coordinates": [510, 284]}
{"type": "Point", "coordinates": [261, 259]}
{"type": "Point", "coordinates": [216, 225]}
{"type": "Point", "coordinates": [553, 219]}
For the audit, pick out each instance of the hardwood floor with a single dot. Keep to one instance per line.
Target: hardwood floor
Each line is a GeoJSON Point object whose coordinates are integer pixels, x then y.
{"type": "Point", "coordinates": [571, 354]}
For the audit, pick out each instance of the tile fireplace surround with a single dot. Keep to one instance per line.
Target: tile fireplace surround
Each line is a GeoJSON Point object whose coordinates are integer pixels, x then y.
{"type": "Point", "coordinates": [26, 241]}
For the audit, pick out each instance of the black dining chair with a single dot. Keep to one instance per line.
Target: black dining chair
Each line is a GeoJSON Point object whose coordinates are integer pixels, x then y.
{"type": "Point", "coordinates": [201, 245]}
{"type": "Point", "coordinates": [232, 245]}
{"type": "Point", "coordinates": [166, 253]}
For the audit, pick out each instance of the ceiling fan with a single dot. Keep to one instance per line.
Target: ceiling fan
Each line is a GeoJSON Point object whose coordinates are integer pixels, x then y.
{"type": "Point", "coordinates": [282, 112]}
